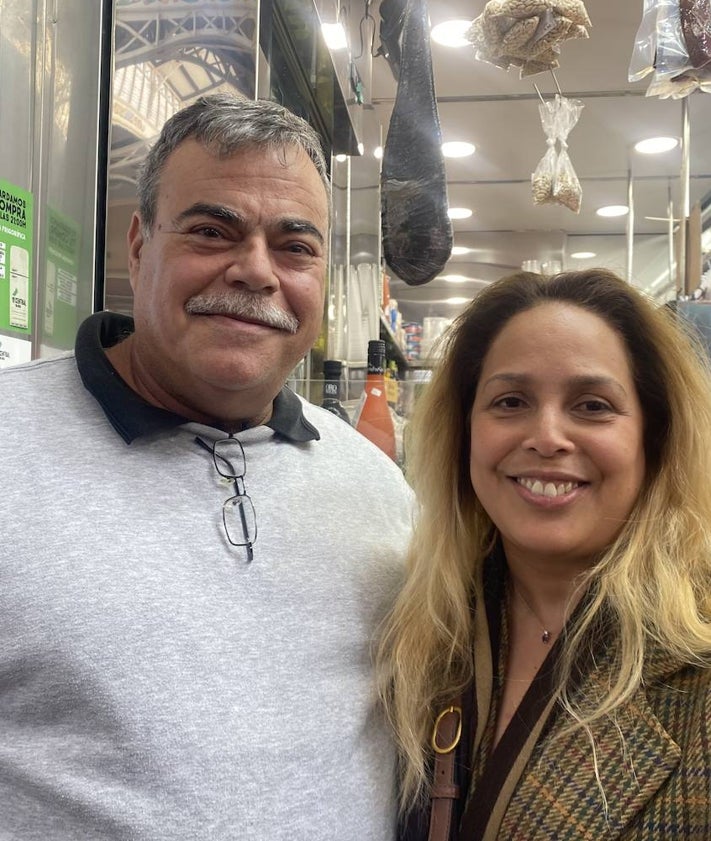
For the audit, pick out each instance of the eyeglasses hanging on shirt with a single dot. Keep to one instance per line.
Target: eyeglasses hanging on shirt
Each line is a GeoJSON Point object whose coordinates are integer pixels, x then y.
{"type": "Point", "coordinates": [238, 515]}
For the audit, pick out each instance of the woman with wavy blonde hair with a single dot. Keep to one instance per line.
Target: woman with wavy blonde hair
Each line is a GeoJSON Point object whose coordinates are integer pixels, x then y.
{"type": "Point", "coordinates": [559, 579]}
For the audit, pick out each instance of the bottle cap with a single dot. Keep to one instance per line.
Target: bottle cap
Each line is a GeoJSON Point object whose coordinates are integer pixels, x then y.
{"type": "Point", "coordinates": [376, 356]}
{"type": "Point", "coordinates": [332, 369]}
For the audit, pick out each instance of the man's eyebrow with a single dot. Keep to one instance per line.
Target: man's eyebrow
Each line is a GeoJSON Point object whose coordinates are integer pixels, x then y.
{"type": "Point", "coordinates": [216, 211]}
{"type": "Point", "coordinates": [300, 226]}
{"type": "Point", "coordinates": [224, 214]}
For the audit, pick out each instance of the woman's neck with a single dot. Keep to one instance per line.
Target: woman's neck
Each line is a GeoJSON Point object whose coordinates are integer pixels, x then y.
{"type": "Point", "coordinates": [547, 590]}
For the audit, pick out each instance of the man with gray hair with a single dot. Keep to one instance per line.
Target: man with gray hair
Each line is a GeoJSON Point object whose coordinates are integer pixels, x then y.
{"type": "Point", "coordinates": [194, 559]}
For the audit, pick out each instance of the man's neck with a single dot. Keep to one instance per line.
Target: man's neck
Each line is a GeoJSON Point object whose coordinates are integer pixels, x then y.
{"type": "Point", "coordinates": [228, 415]}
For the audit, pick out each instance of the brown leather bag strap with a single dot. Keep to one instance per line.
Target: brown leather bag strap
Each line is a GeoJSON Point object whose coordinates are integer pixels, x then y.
{"type": "Point", "coordinates": [446, 733]}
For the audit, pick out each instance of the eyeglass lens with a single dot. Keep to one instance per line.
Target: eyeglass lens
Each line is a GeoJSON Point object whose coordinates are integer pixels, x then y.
{"type": "Point", "coordinates": [229, 458]}
{"type": "Point", "coordinates": [240, 520]}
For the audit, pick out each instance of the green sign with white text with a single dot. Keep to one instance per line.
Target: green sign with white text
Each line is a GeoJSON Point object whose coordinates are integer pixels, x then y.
{"type": "Point", "coordinates": [16, 225]}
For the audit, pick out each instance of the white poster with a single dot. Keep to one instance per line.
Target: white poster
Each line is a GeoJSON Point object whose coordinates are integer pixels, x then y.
{"type": "Point", "coordinates": [14, 351]}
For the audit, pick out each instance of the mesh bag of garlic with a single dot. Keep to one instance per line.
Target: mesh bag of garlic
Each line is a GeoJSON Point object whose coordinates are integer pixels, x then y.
{"type": "Point", "coordinates": [527, 33]}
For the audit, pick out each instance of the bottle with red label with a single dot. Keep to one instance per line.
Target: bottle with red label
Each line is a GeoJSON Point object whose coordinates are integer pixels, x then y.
{"type": "Point", "coordinates": [373, 418]}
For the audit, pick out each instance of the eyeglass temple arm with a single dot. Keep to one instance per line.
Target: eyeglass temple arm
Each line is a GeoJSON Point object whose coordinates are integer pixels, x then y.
{"type": "Point", "coordinates": [211, 449]}
{"type": "Point", "coordinates": [203, 444]}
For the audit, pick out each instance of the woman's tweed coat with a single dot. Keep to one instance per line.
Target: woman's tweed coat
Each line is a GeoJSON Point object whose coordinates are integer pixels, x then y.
{"type": "Point", "coordinates": [658, 788]}
{"type": "Point", "coordinates": [654, 764]}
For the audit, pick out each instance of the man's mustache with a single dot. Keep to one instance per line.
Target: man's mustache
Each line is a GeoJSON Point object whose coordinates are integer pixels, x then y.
{"type": "Point", "coordinates": [239, 305]}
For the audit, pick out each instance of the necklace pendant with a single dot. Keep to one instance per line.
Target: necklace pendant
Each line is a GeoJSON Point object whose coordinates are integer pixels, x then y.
{"type": "Point", "coordinates": [546, 637]}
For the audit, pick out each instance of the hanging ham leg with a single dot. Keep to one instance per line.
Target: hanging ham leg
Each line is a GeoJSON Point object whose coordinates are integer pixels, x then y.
{"type": "Point", "coordinates": [417, 232]}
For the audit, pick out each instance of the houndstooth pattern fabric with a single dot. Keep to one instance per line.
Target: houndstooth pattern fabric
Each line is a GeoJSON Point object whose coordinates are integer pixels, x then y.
{"type": "Point", "coordinates": [655, 771]}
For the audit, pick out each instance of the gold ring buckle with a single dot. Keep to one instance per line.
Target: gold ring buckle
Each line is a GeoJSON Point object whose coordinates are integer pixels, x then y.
{"type": "Point", "coordinates": [457, 735]}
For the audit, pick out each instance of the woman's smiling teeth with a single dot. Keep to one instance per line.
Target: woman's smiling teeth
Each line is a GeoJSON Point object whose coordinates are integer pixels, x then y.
{"type": "Point", "coordinates": [535, 486]}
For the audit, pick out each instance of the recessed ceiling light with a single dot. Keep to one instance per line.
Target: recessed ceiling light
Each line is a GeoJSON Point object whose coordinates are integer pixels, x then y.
{"type": "Point", "coordinates": [655, 145]}
{"type": "Point", "coordinates": [341, 158]}
{"type": "Point", "coordinates": [378, 152]}
{"type": "Point", "coordinates": [583, 255]}
{"type": "Point", "coordinates": [459, 212]}
{"type": "Point", "coordinates": [458, 301]}
{"type": "Point", "coordinates": [454, 278]}
{"type": "Point", "coordinates": [334, 35]}
{"type": "Point", "coordinates": [458, 250]}
{"type": "Point", "coordinates": [458, 149]}
{"type": "Point", "coordinates": [613, 210]}
{"type": "Point", "coordinates": [450, 33]}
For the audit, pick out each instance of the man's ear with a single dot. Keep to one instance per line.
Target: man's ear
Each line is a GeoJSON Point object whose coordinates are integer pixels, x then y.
{"type": "Point", "coordinates": [134, 241]}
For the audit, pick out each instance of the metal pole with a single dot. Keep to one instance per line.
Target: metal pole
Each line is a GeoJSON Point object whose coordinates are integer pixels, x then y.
{"type": "Point", "coordinates": [670, 235]}
{"type": "Point", "coordinates": [630, 223]}
{"type": "Point", "coordinates": [683, 281]}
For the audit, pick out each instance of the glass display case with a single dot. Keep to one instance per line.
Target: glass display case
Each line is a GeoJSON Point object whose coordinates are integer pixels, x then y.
{"type": "Point", "coordinates": [54, 66]}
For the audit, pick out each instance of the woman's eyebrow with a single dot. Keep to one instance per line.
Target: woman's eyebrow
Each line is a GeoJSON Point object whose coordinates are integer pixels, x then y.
{"type": "Point", "coordinates": [578, 381]}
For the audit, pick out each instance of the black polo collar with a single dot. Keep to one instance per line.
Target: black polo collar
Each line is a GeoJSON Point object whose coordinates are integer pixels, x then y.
{"type": "Point", "coordinates": [129, 414]}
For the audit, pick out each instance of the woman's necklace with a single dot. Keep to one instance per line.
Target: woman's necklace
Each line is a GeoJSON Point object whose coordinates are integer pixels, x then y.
{"type": "Point", "coordinates": [546, 636]}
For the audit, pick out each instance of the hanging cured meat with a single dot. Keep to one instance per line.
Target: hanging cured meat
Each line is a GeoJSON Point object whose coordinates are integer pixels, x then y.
{"type": "Point", "coordinates": [417, 232]}
{"type": "Point", "coordinates": [392, 17]}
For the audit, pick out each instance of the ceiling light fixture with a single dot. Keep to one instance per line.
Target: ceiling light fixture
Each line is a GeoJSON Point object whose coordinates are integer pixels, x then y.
{"type": "Point", "coordinates": [458, 149]}
{"type": "Point", "coordinates": [458, 250]}
{"type": "Point", "coordinates": [459, 212]}
{"type": "Point", "coordinates": [334, 35]}
{"type": "Point", "coordinates": [583, 255]}
{"type": "Point", "coordinates": [341, 158]}
{"type": "Point", "coordinates": [451, 33]}
{"type": "Point", "coordinates": [455, 278]}
{"type": "Point", "coordinates": [613, 210]}
{"type": "Point", "coordinates": [378, 152]}
{"type": "Point", "coordinates": [458, 301]}
{"type": "Point", "coordinates": [656, 145]}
